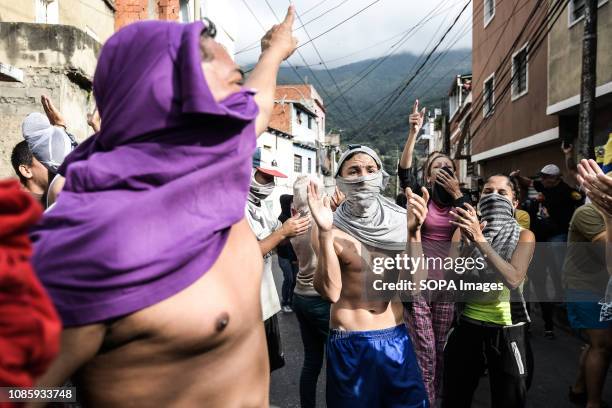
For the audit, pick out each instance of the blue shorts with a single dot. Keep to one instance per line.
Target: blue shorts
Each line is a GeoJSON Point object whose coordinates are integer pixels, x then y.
{"type": "Point", "coordinates": [373, 369]}
{"type": "Point", "coordinates": [585, 315]}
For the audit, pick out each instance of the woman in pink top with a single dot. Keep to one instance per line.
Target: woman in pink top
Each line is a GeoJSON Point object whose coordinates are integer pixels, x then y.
{"type": "Point", "coordinates": [429, 321]}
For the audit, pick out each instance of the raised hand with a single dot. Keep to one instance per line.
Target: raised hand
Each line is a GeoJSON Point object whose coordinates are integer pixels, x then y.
{"type": "Point", "coordinates": [279, 39]}
{"type": "Point", "coordinates": [93, 120]}
{"type": "Point", "coordinates": [515, 173]}
{"type": "Point", "coordinates": [337, 199]}
{"type": "Point", "coordinates": [597, 185]}
{"type": "Point", "coordinates": [416, 209]}
{"type": "Point", "coordinates": [567, 148]}
{"type": "Point", "coordinates": [416, 118]}
{"type": "Point", "coordinates": [467, 221]}
{"type": "Point", "coordinates": [54, 115]}
{"type": "Point", "coordinates": [320, 208]}
{"type": "Point", "coordinates": [295, 226]}
{"type": "Point", "coordinates": [449, 183]}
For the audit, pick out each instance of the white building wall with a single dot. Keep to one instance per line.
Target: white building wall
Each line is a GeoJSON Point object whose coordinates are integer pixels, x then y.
{"type": "Point", "coordinates": [301, 132]}
{"type": "Point", "coordinates": [280, 149]}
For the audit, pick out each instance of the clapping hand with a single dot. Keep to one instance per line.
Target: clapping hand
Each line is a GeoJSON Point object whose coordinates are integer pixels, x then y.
{"type": "Point", "coordinates": [416, 209]}
{"type": "Point", "coordinates": [597, 185]}
{"type": "Point", "coordinates": [320, 208]}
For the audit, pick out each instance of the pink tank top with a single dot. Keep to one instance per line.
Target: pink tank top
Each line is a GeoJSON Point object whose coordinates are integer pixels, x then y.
{"type": "Point", "coordinates": [436, 235]}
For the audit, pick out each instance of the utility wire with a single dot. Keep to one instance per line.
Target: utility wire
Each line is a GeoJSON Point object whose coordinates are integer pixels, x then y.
{"type": "Point", "coordinates": [403, 87]}
{"type": "Point", "coordinates": [322, 87]}
{"type": "Point", "coordinates": [379, 61]}
{"type": "Point", "coordinates": [537, 39]}
{"type": "Point", "coordinates": [255, 44]}
{"type": "Point", "coordinates": [325, 65]}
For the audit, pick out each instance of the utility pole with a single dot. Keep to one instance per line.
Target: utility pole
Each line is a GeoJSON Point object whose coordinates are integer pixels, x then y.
{"type": "Point", "coordinates": [589, 80]}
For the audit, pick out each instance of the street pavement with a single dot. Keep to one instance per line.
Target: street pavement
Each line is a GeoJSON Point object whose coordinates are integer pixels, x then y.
{"type": "Point", "coordinates": [555, 367]}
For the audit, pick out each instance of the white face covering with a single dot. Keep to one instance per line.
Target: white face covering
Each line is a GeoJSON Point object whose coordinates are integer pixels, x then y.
{"type": "Point", "coordinates": [361, 193]}
{"type": "Point", "coordinates": [258, 191]}
{"type": "Point", "coordinates": [49, 144]}
{"type": "Point", "coordinates": [365, 213]}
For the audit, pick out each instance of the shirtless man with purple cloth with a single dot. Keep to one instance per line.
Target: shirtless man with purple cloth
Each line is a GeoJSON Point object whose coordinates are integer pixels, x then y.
{"type": "Point", "coordinates": [146, 254]}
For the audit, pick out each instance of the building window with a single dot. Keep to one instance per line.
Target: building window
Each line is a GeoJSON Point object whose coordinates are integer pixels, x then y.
{"type": "Point", "coordinates": [519, 73]}
{"type": "Point", "coordinates": [309, 122]}
{"type": "Point", "coordinates": [576, 8]}
{"type": "Point", "coordinates": [47, 11]}
{"type": "Point", "coordinates": [298, 116]}
{"type": "Point", "coordinates": [488, 95]}
{"type": "Point", "coordinates": [489, 11]}
{"type": "Point", "coordinates": [309, 165]}
{"type": "Point", "coordinates": [297, 163]}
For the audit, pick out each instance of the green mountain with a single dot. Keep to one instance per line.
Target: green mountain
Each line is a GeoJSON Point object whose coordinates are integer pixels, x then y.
{"type": "Point", "coordinates": [388, 133]}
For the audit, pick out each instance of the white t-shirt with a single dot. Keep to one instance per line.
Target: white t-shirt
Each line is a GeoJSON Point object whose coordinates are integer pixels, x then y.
{"type": "Point", "coordinates": [263, 224]}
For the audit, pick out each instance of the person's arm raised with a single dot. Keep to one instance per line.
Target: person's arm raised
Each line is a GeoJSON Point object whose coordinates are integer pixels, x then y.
{"type": "Point", "coordinates": [416, 213]}
{"type": "Point", "coordinates": [327, 278]}
{"type": "Point", "coordinates": [276, 46]}
{"type": "Point", "coordinates": [416, 122]}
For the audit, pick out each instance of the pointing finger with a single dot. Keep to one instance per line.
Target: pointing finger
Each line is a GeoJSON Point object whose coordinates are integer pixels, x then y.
{"type": "Point", "coordinates": [415, 107]}
{"type": "Point", "coordinates": [290, 17]}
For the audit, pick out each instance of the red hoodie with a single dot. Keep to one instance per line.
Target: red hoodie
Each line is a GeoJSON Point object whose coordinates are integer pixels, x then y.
{"type": "Point", "coordinates": [29, 325]}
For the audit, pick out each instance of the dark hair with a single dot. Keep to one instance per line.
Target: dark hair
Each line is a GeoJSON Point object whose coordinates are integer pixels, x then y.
{"type": "Point", "coordinates": [433, 156]}
{"type": "Point", "coordinates": [210, 31]}
{"type": "Point", "coordinates": [512, 183]}
{"type": "Point", "coordinates": [285, 203]}
{"type": "Point", "coordinates": [21, 156]}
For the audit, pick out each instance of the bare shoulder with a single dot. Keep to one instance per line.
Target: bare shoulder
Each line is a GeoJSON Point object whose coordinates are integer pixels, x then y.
{"type": "Point", "coordinates": [526, 236]}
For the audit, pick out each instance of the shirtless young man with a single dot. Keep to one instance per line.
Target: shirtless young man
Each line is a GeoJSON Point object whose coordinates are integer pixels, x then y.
{"type": "Point", "coordinates": [186, 340]}
{"type": "Point", "coordinates": [370, 359]}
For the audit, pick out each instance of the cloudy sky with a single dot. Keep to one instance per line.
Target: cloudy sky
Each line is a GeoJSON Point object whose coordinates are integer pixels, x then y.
{"type": "Point", "coordinates": [370, 34]}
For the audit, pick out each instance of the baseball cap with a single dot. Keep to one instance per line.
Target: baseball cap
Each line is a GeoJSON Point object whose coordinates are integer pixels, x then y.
{"type": "Point", "coordinates": [550, 170]}
{"type": "Point", "coordinates": [265, 164]}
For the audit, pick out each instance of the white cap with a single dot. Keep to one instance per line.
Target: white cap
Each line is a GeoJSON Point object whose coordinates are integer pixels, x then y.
{"type": "Point", "coordinates": [550, 170]}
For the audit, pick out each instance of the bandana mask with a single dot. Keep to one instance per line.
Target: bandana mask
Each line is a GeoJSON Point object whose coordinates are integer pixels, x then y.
{"type": "Point", "coordinates": [361, 192]}
{"type": "Point", "coordinates": [258, 191]}
{"type": "Point", "coordinates": [495, 206]}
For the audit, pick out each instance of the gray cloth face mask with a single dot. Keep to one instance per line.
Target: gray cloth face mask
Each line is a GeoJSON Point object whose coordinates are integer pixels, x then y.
{"type": "Point", "coordinates": [258, 191]}
{"type": "Point", "coordinates": [361, 192]}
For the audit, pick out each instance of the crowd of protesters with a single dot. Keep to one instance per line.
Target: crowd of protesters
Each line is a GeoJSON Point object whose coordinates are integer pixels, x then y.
{"type": "Point", "coordinates": [155, 251]}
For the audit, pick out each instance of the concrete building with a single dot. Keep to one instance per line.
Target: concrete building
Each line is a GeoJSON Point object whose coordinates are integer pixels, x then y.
{"type": "Point", "coordinates": [300, 112]}
{"type": "Point", "coordinates": [218, 11]}
{"type": "Point", "coordinates": [94, 17]}
{"type": "Point", "coordinates": [509, 124]}
{"type": "Point", "coordinates": [53, 45]}
{"type": "Point", "coordinates": [565, 69]}
{"type": "Point", "coordinates": [460, 115]}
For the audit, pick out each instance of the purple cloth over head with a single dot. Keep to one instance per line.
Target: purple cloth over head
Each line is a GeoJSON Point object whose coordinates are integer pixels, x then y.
{"type": "Point", "coordinates": [148, 201]}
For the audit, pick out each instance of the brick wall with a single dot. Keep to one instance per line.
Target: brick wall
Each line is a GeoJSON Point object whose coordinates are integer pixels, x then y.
{"type": "Point", "coordinates": [129, 11]}
{"type": "Point", "coordinates": [168, 9]}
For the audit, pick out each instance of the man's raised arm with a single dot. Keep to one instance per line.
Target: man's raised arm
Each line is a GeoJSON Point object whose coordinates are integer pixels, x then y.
{"type": "Point", "coordinates": [327, 278]}
{"type": "Point", "coordinates": [276, 46]}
